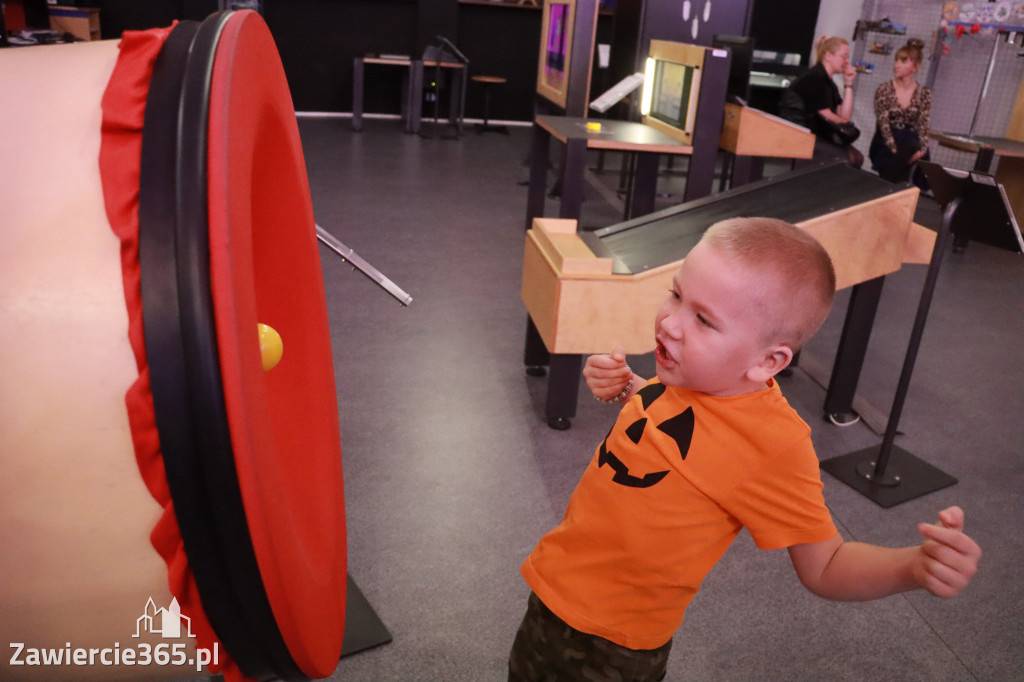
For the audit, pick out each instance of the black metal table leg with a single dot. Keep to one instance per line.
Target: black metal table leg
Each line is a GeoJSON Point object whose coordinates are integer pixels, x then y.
{"type": "Point", "coordinates": [853, 345]}
{"type": "Point", "coordinates": [537, 191]}
{"type": "Point", "coordinates": [746, 169]}
{"type": "Point", "coordinates": [358, 75]}
{"type": "Point", "coordinates": [983, 161]}
{"type": "Point", "coordinates": [412, 125]}
{"type": "Point", "coordinates": [573, 165]}
{"type": "Point", "coordinates": [535, 353]}
{"type": "Point", "coordinates": [563, 387]}
{"type": "Point", "coordinates": [645, 185]}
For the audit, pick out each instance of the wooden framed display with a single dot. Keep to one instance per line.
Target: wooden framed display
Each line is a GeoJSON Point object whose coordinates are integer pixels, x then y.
{"type": "Point", "coordinates": [556, 50]}
{"type": "Point", "coordinates": [672, 79]}
{"type": "Point", "coordinates": [567, 36]}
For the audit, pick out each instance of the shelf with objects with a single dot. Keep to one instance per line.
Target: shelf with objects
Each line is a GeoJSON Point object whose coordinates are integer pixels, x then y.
{"type": "Point", "coordinates": [867, 40]}
{"type": "Point", "coordinates": [878, 26]}
{"type": "Point", "coordinates": [872, 51]}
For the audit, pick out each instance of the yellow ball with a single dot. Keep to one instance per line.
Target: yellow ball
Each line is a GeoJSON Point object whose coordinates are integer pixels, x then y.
{"type": "Point", "coordinates": [271, 346]}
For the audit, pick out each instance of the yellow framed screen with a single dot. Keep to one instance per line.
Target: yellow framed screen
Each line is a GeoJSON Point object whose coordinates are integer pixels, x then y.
{"type": "Point", "coordinates": [672, 87]}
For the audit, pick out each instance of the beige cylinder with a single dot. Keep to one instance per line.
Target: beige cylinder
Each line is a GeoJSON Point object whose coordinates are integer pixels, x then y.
{"type": "Point", "coordinates": [77, 569]}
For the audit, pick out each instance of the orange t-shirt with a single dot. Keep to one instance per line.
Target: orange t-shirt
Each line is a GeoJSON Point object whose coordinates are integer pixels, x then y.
{"type": "Point", "coordinates": [676, 479]}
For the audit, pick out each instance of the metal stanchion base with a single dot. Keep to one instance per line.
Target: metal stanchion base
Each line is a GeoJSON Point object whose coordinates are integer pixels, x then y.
{"type": "Point", "coordinates": [363, 627]}
{"type": "Point", "coordinates": [906, 477]}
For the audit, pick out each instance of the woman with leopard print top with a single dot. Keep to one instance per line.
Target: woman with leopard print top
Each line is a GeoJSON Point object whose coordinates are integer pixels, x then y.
{"type": "Point", "coordinates": [902, 110]}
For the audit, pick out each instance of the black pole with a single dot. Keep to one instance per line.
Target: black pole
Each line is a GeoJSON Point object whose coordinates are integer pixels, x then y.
{"type": "Point", "coordinates": [915, 338]}
{"type": "Point", "coordinates": [867, 471]}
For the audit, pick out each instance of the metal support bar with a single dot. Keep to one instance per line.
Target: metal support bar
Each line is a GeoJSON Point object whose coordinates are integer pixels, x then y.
{"type": "Point", "coordinates": [352, 257]}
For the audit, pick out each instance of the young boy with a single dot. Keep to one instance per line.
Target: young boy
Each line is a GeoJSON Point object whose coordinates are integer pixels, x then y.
{"type": "Point", "coordinates": [704, 450]}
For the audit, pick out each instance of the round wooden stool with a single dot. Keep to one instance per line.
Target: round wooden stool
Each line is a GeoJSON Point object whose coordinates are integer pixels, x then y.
{"type": "Point", "coordinates": [487, 82]}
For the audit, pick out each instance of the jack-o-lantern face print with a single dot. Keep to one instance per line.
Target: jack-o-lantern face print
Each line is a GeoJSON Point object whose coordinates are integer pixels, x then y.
{"type": "Point", "coordinates": [677, 427]}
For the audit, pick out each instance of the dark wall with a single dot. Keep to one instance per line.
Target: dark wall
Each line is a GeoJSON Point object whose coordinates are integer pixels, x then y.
{"type": "Point", "coordinates": [664, 21]}
{"type": "Point", "coordinates": [435, 18]}
{"type": "Point", "coordinates": [35, 14]}
{"type": "Point", "coordinates": [501, 41]}
{"type": "Point", "coordinates": [118, 16]}
{"type": "Point", "coordinates": [318, 40]}
{"type": "Point", "coordinates": [637, 23]}
{"type": "Point", "coordinates": [785, 26]}
{"type": "Point", "coordinates": [782, 26]}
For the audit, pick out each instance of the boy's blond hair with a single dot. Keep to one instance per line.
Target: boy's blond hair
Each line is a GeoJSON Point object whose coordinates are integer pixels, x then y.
{"type": "Point", "coordinates": [795, 278]}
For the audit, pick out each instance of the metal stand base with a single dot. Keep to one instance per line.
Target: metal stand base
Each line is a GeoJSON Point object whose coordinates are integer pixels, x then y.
{"type": "Point", "coordinates": [363, 628]}
{"type": "Point", "coordinates": [906, 478]}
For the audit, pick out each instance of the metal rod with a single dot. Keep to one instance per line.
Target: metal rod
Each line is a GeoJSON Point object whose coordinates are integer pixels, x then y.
{"type": "Point", "coordinates": [984, 88]}
{"type": "Point", "coordinates": [352, 257]}
{"type": "Point", "coordinates": [916, 333]}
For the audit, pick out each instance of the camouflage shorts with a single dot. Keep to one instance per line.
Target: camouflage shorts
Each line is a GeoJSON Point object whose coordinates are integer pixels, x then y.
{"type": "Point", "coordinates": [546, 649]}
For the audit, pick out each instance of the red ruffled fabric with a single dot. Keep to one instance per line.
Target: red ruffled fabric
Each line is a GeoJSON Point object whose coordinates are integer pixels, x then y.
{"type": "Point", "coordinates": [124, 109]}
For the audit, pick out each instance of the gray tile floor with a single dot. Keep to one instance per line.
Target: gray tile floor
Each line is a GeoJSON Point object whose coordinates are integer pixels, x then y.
{"type": "Point", "coordinates": [452, 474]}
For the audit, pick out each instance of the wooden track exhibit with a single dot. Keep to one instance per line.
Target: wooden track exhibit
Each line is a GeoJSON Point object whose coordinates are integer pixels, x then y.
{"type": "Point", "coordinates": [581, 305]}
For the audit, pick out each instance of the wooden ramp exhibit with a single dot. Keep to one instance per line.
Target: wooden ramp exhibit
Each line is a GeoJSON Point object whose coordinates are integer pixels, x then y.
{"type": "Point", "coordinates": [751, 132]}
{"type": "Point", "coordinates": [591, 292]}
{"type": "Point", "coordinates": [749, 136]}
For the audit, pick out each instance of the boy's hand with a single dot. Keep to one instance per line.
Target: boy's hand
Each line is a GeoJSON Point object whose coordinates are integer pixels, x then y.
{"type": "Point", "coordinates": [607, 375]}
{"type": "Point", "coordinates": [947, 559]}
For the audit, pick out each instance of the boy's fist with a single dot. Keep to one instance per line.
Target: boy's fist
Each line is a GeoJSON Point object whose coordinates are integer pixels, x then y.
{"type": "Point", "coordinates": [607, 375]}
{"type": "Point", "coordinates": [947, 559]}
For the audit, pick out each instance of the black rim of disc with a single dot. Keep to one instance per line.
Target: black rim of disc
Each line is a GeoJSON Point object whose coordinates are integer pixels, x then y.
{"type": "Point", "coordinates": [180, 337]}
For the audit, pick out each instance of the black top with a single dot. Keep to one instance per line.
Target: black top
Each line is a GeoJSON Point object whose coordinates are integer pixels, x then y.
{"type": "Point", "coordinates": [818, 92]}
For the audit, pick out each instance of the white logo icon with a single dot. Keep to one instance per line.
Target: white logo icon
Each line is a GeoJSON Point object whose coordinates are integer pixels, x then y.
{"type": "Point", "coordinates": [164, 622]}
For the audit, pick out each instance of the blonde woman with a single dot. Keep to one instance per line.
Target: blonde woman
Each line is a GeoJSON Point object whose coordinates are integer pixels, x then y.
{"type": "Point", "coordinates": [822, 101]}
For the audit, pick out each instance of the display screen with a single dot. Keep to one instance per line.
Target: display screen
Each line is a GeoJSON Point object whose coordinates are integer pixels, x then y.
{"type": "Point", "coordinates": [670, 98]}
{"type": "Point", "coordinates": [558, 21]}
